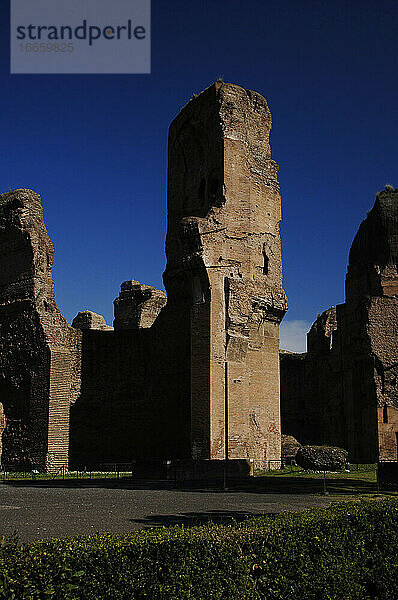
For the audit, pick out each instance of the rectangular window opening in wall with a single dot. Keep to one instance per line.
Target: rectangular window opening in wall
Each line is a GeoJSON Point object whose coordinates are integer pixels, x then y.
{"type": "Point", "coordinates": [265, 263]}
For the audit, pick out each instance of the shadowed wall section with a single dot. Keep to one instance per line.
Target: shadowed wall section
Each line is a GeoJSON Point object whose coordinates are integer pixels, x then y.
{"type": "Point", "coordinates": [134, 401]}
{"type": "Point", "coordinates": [344, 391]}
{"type": "Point", "coordinates": [39, 352]}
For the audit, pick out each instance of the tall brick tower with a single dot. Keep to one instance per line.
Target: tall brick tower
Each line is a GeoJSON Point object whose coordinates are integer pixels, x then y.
{"type": "Point", "coordinates": [368, 324]}
{"type": "Point", "coordinates": [344, 391]}
{"type": "Point", "coordinates": [224, 270]}
{"type": "Point", "coordinates": [39, 352]}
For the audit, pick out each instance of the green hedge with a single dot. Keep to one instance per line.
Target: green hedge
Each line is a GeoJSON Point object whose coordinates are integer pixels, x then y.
{"type": "Point", "coordinates": [347, 552]}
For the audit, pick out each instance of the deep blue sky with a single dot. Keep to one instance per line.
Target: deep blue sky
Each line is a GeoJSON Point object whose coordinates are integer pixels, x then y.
{"type": "Point", "coordinates": [95, 146]}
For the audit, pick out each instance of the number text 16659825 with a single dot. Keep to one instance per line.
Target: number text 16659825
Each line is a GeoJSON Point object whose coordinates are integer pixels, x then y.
{"type": "Point", "coordinates": [47, 47]}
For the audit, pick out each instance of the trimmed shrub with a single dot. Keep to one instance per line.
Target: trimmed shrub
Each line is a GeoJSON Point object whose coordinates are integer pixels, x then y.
{"type": "Point", "coordinates": [347, 552]}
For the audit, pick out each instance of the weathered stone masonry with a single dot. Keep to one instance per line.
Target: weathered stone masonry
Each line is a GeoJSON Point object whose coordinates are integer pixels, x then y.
{"type": "Point", "coordinates": [224, 270]}
{"type": "Point", "coordinates": [193, 376]}
{"type": "Point", "coordinates": [39, 351]}
{"type": "Point", "coordinates": [344, 390]}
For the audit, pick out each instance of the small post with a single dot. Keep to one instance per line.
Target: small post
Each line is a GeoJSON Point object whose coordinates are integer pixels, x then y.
{"type": "Point", "coordinates": [226, 427]}
{"type": "Point", "coordinates": [325, 492]}
{"type": "Point", "coordinates": [225, 476]}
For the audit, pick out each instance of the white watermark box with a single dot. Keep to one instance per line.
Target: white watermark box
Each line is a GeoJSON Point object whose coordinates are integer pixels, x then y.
{"type": "Point", "coordinates": [80, 36]}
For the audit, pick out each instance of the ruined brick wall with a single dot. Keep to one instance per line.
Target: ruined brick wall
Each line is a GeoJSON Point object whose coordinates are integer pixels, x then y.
{"type": "Point", "coordinates": [370, 332]}
{"type": "Point", "coordinates": [383, 333]}
{"type": "Point", "coordinates": [372, 268]}
{"type": "Point", "coordinates": [198, 376]}
{"type": "Point", "coordinates": [311, 403]}
{"type": "Point", "coordinates": [37, 347]}
{"type": "Point", "coordinates": [328, 395]}
{"type": "Point", "coordinates": [348, 378]}
{"type": "Point", "coordinates": [193, 377]}
{"type": "Point", "coordinates": [358, 396]}
{"type": "Point", "coordinates": [135, 383]}
{"type": "Point", "coordinates": [137, 305]}
{"type": "Point", "coordinates": [325, 411]}
{"type": "Point", "coordinates": [224, 269]}
{"type": "Point", "coordinates": [296, 404]}
{"type": "Point", "coordinates": [87, 319]}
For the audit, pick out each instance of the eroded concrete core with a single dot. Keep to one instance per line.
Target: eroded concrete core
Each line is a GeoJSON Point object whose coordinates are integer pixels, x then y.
{"type": "Point", "coordinates": [344, 391]}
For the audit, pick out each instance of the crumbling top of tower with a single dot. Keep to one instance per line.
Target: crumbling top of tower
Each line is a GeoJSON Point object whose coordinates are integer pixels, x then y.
{"type": "Point", "coordinates": [373, 260]}
{"type": "Point", "coordinates": [24, 237]}
{"type": "Point", "coordinates": [197, 137]}
{"type": "Point", "coordinates": [137, 305]}
{"type": "Point", "coordinates": [320, 336]}
{"type": "Point", "coordinates": [87, 319]}
{"type": "Point", "coordinates": [224, 205]}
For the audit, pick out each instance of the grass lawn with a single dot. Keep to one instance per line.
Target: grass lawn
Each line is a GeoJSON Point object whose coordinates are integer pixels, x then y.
{"type": "Point", "coordinates": [29, 476]}
{"type": "Point", "coordinates": [360, 481]}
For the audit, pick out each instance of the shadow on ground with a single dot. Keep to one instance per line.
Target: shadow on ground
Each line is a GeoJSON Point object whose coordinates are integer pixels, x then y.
{"type": "Point", "coordinates": [192, 519]}
{"type": "Point", "coordinates": [268, 485]}
{"type": "Point", "coordinates": [306, 485]}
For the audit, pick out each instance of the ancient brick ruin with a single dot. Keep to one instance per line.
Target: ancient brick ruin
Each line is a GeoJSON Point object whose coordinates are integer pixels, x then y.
{"type": "Point", "coordinates": [344, 391]}
{"type": "Point", "coordinates": [39, 351]}
{"type": "Point", "coordinates": [224, 269]}
{"type": "Point", "coordinates": [194, 375]}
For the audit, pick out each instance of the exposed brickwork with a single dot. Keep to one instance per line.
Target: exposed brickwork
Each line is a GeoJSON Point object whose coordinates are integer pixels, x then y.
{"type": "Point", "coordinates": [133, 401]}
{"type": "Point", "coordinates": [196, 375]}
{"type": "Point", "coordinates": [58, 412]}
{"type": "Point", "coordinates": [32, 334]}
{"type": "Point", "coordinates": [224, 269]}
{"type": "Point", "coordinates": [88, 319]}
{"type": "Point", "coordinates": [344, 391]}
{"type": "Point", "coordinates": [2, 426]}
{"type": "Point", "coordinates": [137, 305]}
{"type": "Point", "coordinates": [193, 376]}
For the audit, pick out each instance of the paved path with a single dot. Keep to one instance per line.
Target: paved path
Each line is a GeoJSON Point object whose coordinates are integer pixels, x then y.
{"type": "Point", "coordinates": [38, 512]}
